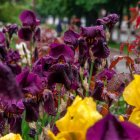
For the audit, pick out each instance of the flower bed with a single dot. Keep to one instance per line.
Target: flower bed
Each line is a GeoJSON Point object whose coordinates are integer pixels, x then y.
{"type": "Point", "coordinates": [68, 89]}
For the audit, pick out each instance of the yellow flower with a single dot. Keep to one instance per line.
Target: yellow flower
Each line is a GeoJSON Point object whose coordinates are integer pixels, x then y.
{"type": "Point", "coordinates": [135, 116]}
{"type": "Point", "coordinates": [79, 117]}
{"type": "Point", "coordinates": [131, 95]}
{"type": "Point", "coordinates": [11, 136]}
{"type": "Point", "coordinates": [66, 135]}
{"type": "Point", "coordinates": [121, 118]}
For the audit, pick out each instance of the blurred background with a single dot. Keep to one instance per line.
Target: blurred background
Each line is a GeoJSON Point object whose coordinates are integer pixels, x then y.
{"type": "Point", "coordinates": [60, 15]}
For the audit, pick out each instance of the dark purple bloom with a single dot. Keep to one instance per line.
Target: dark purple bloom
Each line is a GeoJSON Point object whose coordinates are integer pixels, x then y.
{"type": "Point", "coordinates": [35, 54]}
{"type": "Point", "coordinates": [8, 86]}
{"type": "Point", "coordinates": [12, 56]}
{"type": "Point", "coordinates": [74, 76]}
{"type": "Point", "coordinates": [106, 74]}
{"type": "Point", "coordinates": [98, 90]}
{"type": "Point", "coordinates": [32, 110]}
{"type": "Point", "coordinates": [59, 74]}
{"type": "Point", "coordinates": [13, 112]}
{"type": "Point", "coordinates": [30, 83]}
{"type": "Point", "coordinates": [14, 108]}
{"type": "Point", "coordinates": [57, 50]}
{"type": "Point", "coordinates": [25, 34]}
{"type": "Point", "coordinates": [63, 73]}
{"type": "Point", "coordinates": [42, 65]}
{"type": "Point", "coordinates": [32, 133]}
{"type": "Point", "coordinates": [2, 39]}
{"type": "Point", "coordinates": [83, 52]}
{"type": "Point", "coordinates": [28, 18]}
{"type": "Point", "coordinates": [55, 130]}
{"type": "Point", "coordinates": [11, 29]}
{"type": "Point", "coordinates": [92, 33]}
{"type": "Point", "coordinates": [49, 104]}
{"type": "Point", "coordinates": [108, 21]}
{"type": "Point", "coordinates": [15, 124]}
{"type": "Point", "coordinates": [71, 38]}
{"type": "Point", "coordinates": [3, 53]}
{"type": "Point", "coordinates": [109, 128]}
{"type": "Point", "coordinates": [100, 49]}
{"type": "Point", "coordinates": [15, 68]}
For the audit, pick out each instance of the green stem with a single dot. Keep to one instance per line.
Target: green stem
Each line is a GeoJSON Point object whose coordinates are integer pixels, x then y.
{"type": "Point", "coordinates": [90, 75]}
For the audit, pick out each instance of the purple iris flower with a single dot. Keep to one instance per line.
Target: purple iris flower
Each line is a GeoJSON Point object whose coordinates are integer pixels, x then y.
{"type": "Point", "coordinates": [12, 56]}
{"type": "Point", "coordinates": [2, 39]}
{"type": "Point", "coordinates": [65, 74]}
{"type": "Point", "coordinates": [11, 59]}
{"type": "Point", "coordinates": [15, 68]}
{"type": "Point", "coordinates": [11, 29]}
{"type": "Point", "coordinates": [30, 83]}
{"type": "Point", "coordinates": [83, 52]}
{"type": "Point", "coordinates": [25, 34]}
{"type": "Point", "coordinates": [93, 33]}
{"type": "Point", "coordinates": [100, 49]}
{"type": "Point", "coordinates": [98, 90]}
{"type": "Point", "coordinates": [106, 74]}
{"type": "Point", "coordinates": [8, 86]}
{"type": "Point", "coordinates": [3, 53]}
{"type": "Point", "coordinates": [108, 21]}
{"type": "Point", "coordinates": [28, 18]}
{"type": "Point", "coordinates": [71, 38]}
{"type": "Point", "coordinates": [49, 104]}
{"type": "Point", "coordinates": [57, 50]}
{"type": "Point", "coordinates": [29, 31]}
{"type": "Point", "coordinates": [32, 110]}
{"type": "Point", "coordinates": [109, 128]}
{"type": "Point", "coordinates": [42, 65]}
{"type": "Point", "coordinates": [14, 112]}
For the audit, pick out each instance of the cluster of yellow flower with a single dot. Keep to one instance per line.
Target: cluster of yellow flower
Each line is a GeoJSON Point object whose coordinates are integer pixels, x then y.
{"type": "Point", "coordinates": [131, 95]}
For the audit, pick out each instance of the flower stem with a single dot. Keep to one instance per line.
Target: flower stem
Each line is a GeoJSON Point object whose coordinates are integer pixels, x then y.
{"type": "Point", "coordinates": [90, 75]}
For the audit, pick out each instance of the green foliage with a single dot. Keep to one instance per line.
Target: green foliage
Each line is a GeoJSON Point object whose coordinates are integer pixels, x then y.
{"type": "Point", "coordinates": [90, 4]}
{"type": "Point", "coordinates": [9, 12]}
